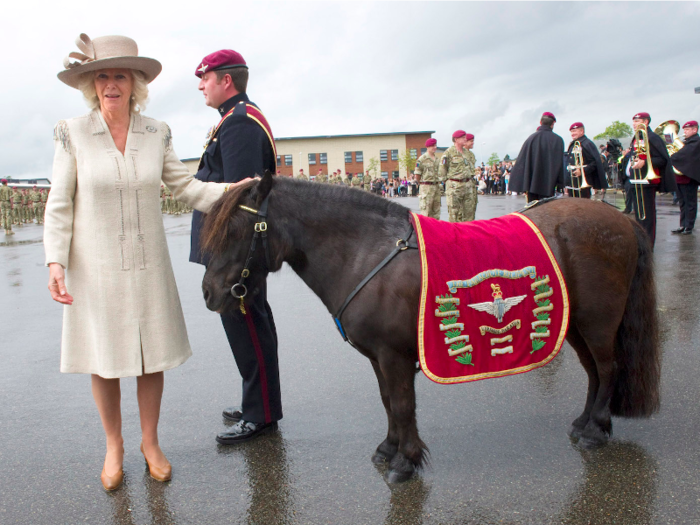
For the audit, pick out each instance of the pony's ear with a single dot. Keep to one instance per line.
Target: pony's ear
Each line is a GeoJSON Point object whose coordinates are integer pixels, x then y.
{"type": "Point", "coordinates": [262, 188]}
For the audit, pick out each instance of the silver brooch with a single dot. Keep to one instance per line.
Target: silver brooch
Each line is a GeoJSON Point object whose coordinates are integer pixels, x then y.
{"type": "Point", "coordinates": [151, 129]}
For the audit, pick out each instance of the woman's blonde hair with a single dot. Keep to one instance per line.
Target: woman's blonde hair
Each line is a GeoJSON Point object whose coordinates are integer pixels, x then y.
{"type": "Point", "coordinates": [139, 93]}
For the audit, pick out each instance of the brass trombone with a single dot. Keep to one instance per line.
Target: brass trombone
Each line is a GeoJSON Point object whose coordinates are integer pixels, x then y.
{"type": "Point", "coordinates": [637, 177]}
{"type": "Point", "coordinates": [578, 182]}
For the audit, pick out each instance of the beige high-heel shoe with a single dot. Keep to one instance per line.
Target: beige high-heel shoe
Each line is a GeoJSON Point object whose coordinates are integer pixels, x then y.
{"type": "Point", "coordinates": [111, 483]}
{"type": "Point", "coordinates": [163, 473]}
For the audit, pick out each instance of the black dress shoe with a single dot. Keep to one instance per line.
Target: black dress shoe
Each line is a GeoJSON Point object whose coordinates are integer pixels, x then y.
{"type": "Point", "coordinates": [686, 232]}
{"type": "Point", "coordinates": [244, 431]}
{"type": "Point", "coordinates": [232, 414]}
{"type": "Point", "coordinates": [678, 230]}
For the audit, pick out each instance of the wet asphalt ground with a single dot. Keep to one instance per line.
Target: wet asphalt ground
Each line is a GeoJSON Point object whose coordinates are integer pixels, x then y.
{"type": "Point", "coordinates": [499, 449]}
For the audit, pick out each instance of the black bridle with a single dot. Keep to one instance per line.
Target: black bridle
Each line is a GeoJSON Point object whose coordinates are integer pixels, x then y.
{"type": "Point", "coordinates": [239, 290]}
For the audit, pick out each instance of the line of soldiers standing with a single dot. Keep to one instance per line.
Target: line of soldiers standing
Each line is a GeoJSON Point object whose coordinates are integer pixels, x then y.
{"type": "Point", "coordinates": [169, 205]}
{"type": "Point", "coordinates": [19, 207]}
{"type": "Point", "coordinates": [359, 181]}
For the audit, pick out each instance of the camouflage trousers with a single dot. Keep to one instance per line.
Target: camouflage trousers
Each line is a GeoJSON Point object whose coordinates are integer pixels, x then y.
{"type": "Point", "coordinates": [461, 200]}
{"type": "Point", "coordinates": [39, 213]}
{"type": "Point", "coordinates": [6, 213]}
{"type": "Point", "coordinates": [429, 200]}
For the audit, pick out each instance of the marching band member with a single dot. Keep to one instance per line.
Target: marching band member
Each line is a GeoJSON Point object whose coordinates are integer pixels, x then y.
{"type": "Point", "coordinates": [594, 172]}
{"type": "Point", "coordinates": [687, 162]}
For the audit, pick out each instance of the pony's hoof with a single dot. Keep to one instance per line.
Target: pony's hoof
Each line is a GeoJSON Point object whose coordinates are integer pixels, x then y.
{"type": "Point", "coordinates": [397, 476]}
{"type": "Point", "coordinates": [592, 437]}
{"type": "Point", "coordinates": [380, 458]}
{"type": "Point", "coordinates": [575, 433]}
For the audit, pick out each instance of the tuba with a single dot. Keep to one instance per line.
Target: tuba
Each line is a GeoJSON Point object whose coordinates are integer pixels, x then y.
{"type": "Point", "coordinates": [578, 182]}
{"type": "Point", "coordinates": [669, 132]}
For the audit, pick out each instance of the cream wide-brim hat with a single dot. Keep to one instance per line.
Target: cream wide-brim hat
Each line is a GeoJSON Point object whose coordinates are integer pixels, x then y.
{"type": "Point", "coordinates": [106, 52]}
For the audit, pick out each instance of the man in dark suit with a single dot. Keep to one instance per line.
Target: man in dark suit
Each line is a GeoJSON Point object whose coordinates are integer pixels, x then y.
{"type": "Point", "coordinates": [647, 182]}
{"type": "Point", "coordinates": [540, 164]}
{"type": "Point", "coordinates": [241, 146]}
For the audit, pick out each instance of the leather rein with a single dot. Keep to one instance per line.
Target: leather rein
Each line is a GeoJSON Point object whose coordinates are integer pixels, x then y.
{"type": "Point", "coordinates": [239, 290]}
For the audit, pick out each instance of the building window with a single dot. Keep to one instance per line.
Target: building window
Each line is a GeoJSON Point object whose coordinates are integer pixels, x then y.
{"type": "Point", "coordinates": [414, 153]}
{"type": "Point", "coordinates": [348, 157]}
{"type": "Point", "coordinates": [385, 174]}
{"type": "Point", "coordinates": [312, 158]}
{"type": "Point", "coordinates": [394, 154]}
{"type": "Point", "coordinates": [423, 151]}
{"type": "Point", "coordinates": [287, 160]}
{"type": "Point", "coordinates": [323, 158]}
{"type": "Point", "coordinates": [383, 155]}
{"type": "Point", "coordinates": [279, 160]}
{"type": "Point", "coordinates": [395, 174]}
{"type": "Point", "coordinates": [358, 156]}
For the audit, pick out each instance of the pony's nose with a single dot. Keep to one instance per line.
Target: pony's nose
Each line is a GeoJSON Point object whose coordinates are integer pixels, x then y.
{"type": "Point", "coordinates": [206, 294]}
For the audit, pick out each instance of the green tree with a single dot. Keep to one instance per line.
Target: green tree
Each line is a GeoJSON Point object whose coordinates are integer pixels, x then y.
{"type": "Point", "coordinates": [372, 167]}
{"type": "Point", "coordinates": [616, 130]}
{"type": "Point", "coordinates": [493, 159]}
{"type": "Point", "coordinates": [407, 161]}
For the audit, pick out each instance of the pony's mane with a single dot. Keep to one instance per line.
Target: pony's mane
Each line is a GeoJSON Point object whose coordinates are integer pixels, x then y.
{"type": "Point", "coordinates": [218, 224]}
{"type": "Point", "coordinates": [221, 224]}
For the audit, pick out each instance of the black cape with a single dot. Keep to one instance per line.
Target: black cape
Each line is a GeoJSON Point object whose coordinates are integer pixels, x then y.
{"type": "Point", "coordinates": [659, 160]}
{"type": "Point", "coordinates": [540, 165]}
{"type": "Point", "coordinates": [594, 170]}
{"type": "Point", "coordinates": [687, 159]}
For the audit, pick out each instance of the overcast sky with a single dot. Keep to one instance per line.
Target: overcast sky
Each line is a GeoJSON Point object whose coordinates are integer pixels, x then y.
{"type": "Point", "coordinates": [325, 68]}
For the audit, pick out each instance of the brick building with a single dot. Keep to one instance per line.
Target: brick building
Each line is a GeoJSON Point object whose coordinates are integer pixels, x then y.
{"type": "Point", "coordinates": [349, 153]}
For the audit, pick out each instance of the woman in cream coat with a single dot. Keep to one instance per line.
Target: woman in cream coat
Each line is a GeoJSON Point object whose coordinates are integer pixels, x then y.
{"type": "Point", "coordinates": [105, 242]}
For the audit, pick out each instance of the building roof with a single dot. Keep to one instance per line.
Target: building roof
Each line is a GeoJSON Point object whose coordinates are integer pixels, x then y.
{"type": "Point", "coordinates": [357, 135]}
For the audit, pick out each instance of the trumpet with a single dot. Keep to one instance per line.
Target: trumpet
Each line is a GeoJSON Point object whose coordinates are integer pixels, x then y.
{"type": "Point", "coordinates": [641, 149]}
{"type": "Point", "coordinates": [578, 182]}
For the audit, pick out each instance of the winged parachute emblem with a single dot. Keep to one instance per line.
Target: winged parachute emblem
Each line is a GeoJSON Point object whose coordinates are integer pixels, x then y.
{"type": "Point", "coordinates": [499, 306]}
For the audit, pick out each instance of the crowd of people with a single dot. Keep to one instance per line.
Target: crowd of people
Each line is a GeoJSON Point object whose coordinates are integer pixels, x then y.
{"type": "Point", "coordinates": [21, 206]}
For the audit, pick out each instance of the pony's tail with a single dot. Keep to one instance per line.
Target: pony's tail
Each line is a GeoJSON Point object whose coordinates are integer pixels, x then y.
{"type": "Point", "coordinates": [637, 349]}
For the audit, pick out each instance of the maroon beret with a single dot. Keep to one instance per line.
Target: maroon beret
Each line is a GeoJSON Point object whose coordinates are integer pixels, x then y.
{"type": "Point", "coordinates": [691, 124]}
{"type": "Point", "coordinates": [223, 59]}
{"type": "Point", "coordinates": [458, 133]}
{"type": "Point", "coordinates": [430, 142]}
{"type": "Point", "coordinates": [550, 115]}
{"type": "Point", "coordinates": [470, 136]}
{"type": "Point", "coordinates": [643, 114]}
{"type": "Point", "coordinates": [575, 125]}
{"type": "Point", "coordinates": [3, 181]}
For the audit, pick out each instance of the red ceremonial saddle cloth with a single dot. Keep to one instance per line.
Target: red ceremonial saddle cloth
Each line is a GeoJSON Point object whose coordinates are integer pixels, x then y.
{"type": "Point", "coordinates": [493, 300]}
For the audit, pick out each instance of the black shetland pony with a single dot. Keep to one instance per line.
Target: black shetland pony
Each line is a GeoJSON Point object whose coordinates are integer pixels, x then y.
{"type": "Point", "coordinates": [334, 236]}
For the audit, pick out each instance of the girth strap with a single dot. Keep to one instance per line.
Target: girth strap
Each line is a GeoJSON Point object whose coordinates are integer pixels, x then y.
{"type": "Point", "coordinates": [401, 245]}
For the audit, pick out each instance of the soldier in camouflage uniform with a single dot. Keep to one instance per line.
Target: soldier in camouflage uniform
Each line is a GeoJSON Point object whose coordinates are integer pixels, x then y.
{"type": "Point", "coordinates": [162, 198]}
{"type": "Point", "coordinates": [321, 177]}
{"type": "Point", "coordinates": [44, 198]}
{"type": "Point", "coordinates": [356, 181]}
{"type": "Point", "coordinates": [39, 207]}
{"type": "Point", "coordinates": [458, 171]}
{"type": "Point", "coordinates": [6, 207]}
{"type": "Point", "coordinates": [16, 207]}
{"type": "Point", "coordinates": [302, 175]}
{"type": "Point", "coordinates": [168, 200]}
{"type": "Point", "coordinates": [35, 201]}
{"type": "Point", "coordinates": [427, 176]}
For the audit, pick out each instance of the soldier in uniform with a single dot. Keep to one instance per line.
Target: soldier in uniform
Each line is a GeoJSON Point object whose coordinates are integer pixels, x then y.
{"type": "Point", "coordinates": [356, 181]}
{"type": "Point", "coordinates": [16, 207]}
{"type": "Point", "coordinates": [302, 175]}
{"type": "Point", "coordinates": [35, 201]}
{"type": "Point", "coordinates": [6, 207]}
{"type": "Point", "coordinates": [540, 166]}
{"type": "Point", "coordinates": [594, 172]}
{"type": "Point", "coordinates": [645, 202]}
{"type": "Point", "coordinates": [457, 169]}
{"type": "Point", "coordinates": [320, 177]}
{"type": "Point", "coordinates": [241, 146]}
{"type": "Point", "coordinates": [367, 181]}
{"type": "Point", "coordinates": [39, 206]}
{"type": "Point", "coordinates": [162, 198]}
{"type": "Point", "coordinates": [427, 176]}
{"type": "Point", "coordinates": [44, 198]}
{"type": "Point", "coordinates": [686, 163]}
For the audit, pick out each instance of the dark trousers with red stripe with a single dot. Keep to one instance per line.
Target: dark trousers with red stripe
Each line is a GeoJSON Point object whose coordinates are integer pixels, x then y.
{"type": "Point", "coordinates": [253, 341]}
{"type": "Point", "coordinates": [645, 206]}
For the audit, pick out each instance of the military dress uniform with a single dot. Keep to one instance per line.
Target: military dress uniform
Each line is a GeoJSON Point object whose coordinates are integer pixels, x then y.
{"type": "Point", "coordinates": [6, 207]}
{"type": "Point", "coordinates": [458, 171]}
{"type": "Point", "coordinates": [242, 146]}
{"type": "Point", "coordinates": [427, 168]}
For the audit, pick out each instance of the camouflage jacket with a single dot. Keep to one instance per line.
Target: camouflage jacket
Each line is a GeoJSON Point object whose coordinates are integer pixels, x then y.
{"type": "Point", "coordinates": [427, 168]}
{"type": "Point", "coordinates": [456, 165]}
